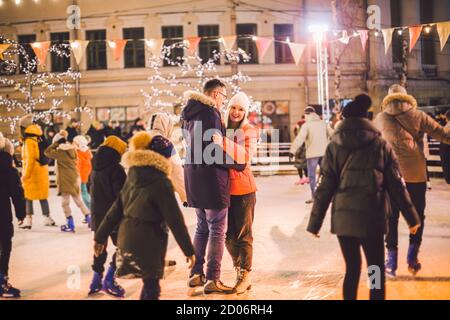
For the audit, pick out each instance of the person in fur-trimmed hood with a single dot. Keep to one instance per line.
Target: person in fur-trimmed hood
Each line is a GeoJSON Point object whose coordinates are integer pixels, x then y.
{"type": "Point", "coordinates": [403, 126]}
{"type": "Point", "coordinates": [207, 182]}
{"type": "Point", "coordinates": [144, 210]}
{"type": "Point", "coordinates": [67, 178]}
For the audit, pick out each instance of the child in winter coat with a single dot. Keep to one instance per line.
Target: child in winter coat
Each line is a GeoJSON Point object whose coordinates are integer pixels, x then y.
{"type": "Point", "coordinates": [144, 209]}
{"type": "Point", "coordinates": [358, 171]}
{"type": "Point", "coordinates": [10, 188]}
{"type": "Point", "coordinates": [105, 183]}
{"type": "Point", "coordinates": [84, 158]}
{"type": "Point", "coordinates": [67, 178]}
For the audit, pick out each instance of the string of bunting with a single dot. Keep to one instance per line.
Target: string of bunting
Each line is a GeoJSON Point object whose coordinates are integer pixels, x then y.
{"type": "Point", "coordinates": [78, 47]}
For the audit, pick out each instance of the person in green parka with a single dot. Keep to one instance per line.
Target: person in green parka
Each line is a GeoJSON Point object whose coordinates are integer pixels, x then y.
{"type": "Point", "coordinates": [67, 178]}
{"type": "Point", "coordinates": [144, 211]}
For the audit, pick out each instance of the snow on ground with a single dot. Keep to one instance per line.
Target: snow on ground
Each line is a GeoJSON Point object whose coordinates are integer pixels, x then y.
{"type": "Point", "coordinates": [288, 262]}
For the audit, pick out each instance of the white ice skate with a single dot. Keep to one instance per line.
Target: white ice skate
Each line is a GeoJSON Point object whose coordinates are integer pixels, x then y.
{"type": "Point", "coordinates": [27, 223]}
{"type": "Point", "coordinates": [49, 222]}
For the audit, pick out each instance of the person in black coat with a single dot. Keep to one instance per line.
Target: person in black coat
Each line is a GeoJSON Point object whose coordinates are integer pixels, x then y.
{"type": "Point", "coordinates": [145, 210]}
{"type": "Point", "coordinates": [73, 129]}
{"type": "Point", "coordinates": [10, 189]}
{"type": "Point", "coordinates": [358, 173]}
{"type": "Point", "coordinates": [96, 134]}
{"type": "Point", "coordinates": [206, 176]}
{"type": "Point", "coordinates": [445, 153]}
{"type": "Point", "coordinates": [105, 183]}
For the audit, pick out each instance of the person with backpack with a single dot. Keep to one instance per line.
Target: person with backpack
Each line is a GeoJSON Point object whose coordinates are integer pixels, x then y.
{"type": "Point", "coordinates": [359, 171]}
{"type": "Point", "coordinates": [403, 126]}
{"type": "Point", "coordinates": [35, 177]}
{"type": "Point", "coordinates": [10, 189]}
{"type": "Point", "coordinates": [67, 178]}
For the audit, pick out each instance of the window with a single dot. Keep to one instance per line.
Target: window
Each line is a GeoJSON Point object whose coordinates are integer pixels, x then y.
{"type": "Point", "coordinates": [207, 46]}
{"type": "Point", "coordinates": [173, 34]}
{"type": "Point", "coordinates": [428, 41]}
{"type": "Point", "coordinates": [25, 41]}
{"type": "Point", "coordinates": [247, 43]}
{"type": "Point", "coordinates": [134, 50]}
{"type": "Point", "coordinates": [282, 51]}
{"type": "Point", "coordinates": [60, 63]}
{"type": "Point", "coordinates": [96, 51]}
{"type": "Point", "coordinates": [397, 39]}
{"type": "Point", "coordinates": [124, 115]}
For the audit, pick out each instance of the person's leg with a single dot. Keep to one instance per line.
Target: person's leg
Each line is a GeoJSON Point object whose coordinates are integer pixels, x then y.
{"type": "Point", "coordinates": [151, 289]}
{"type": "Point", "coordinates": [99, 262]}
{"type": "Point", "coordinates": [305, 172]}
{"type": "Point", "coordinates": [245, 235]}
{"type": "Point", "coordinates": [5, 253]}
{"type": "Point", "coordinates": [217, 224]}
{"type": "Point", "coordinates": [392, 233]}
{"type": "Point", "coordinates": [231, 239]}
{"type": "Point", "coordinates": [45, 207]}
{"type": "Point", "coordinates": [80, 204]}
{"type": "Point", "coordinates": [312, 167]}
{"type": "Point", "coordinates": [200, 242]}
{"type": "Point", "coordinates": [65, 201]}
{"type": "Point", "coordinates": [374, 252]}
{"type": "Point", "coordinates": [350, 248]}
{"type": "Point", "coordinates": [85, 195]}
{"type": "Point", "coordinates": [417, 192]}
{"type": "Point", "coordinates": [113, 238]}
{"type": "Point", "coordinates": [300, 173]}
{"type": "Point", "coordinates": [29, 207]}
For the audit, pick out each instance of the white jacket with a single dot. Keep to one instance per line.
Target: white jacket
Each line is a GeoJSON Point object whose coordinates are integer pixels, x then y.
{"type": "Point", "coordinates": [314, 134]}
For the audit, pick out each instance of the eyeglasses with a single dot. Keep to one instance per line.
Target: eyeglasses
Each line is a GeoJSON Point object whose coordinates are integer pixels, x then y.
{"type": "Point", "coordinates": [223, 95]}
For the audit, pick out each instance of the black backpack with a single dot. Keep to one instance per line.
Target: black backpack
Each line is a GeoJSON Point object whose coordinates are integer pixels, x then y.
{"type": "Point", "coordinates": [43, 145]}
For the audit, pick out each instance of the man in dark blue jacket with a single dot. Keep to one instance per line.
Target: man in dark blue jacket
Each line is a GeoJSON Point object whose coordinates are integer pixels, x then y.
{"type": "Point", "coordinates": [206, 175]}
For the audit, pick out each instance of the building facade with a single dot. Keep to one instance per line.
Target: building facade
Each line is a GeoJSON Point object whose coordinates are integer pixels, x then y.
{"type": "Point", "coordinates": [113, 88]}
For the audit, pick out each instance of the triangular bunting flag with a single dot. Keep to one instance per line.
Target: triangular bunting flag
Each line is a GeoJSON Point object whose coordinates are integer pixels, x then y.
{"type": "Point", "coordinates": [345, 39]}
{"type": "Point", "coordinates": [364, 34]}
{"type": "Point", "coordinates": [79, 48]}
{"type": "Point", "coordinates": [228, 42]}
{"type": "Point", "coordinates": [444, 32]}
{"type": "Point", "coordinates": [3, 48]}
{"type": "Point", "coordinates": [387, 35]}
{"type": "Point", "coordinates": [41, 50]}
{"type": "Point", "coordinates": [414, 35]}
{"type": "Point", "coordinates": [117, 46]}
{"type": "Point", "coordinates": [262, 44]}
{"type": "Point", "coordinates": [192, 44]}
{"type": "Point", "coordinates": [155, 46]}
{"type": "Point", "coordinates": [297, 50]}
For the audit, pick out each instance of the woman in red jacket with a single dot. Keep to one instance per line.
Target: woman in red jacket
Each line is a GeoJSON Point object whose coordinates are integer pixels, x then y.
{"type": "Point", "coordinates": [240, 143]}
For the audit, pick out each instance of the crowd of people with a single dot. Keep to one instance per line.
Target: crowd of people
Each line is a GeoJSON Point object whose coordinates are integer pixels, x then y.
{"type": "Point", "coordinates": [126, 190]}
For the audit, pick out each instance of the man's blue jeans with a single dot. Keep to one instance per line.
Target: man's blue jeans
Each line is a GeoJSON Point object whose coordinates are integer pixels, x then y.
{"type": "Point", "coordinates": [210, 234]}
{"type": "Point", "coordinates": [312, 167]}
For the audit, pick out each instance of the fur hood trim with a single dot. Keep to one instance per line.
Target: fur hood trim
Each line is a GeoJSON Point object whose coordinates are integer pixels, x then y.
{"type": "Point", "coordinates": [144, 158]}
{"type": "Point", "coordinates": [200, 97]}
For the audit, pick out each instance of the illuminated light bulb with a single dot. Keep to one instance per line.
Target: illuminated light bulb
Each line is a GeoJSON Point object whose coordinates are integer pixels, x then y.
{"type": "Point", "coordinates": [427, 29]}
{"type": "Point", "coordinates": [1, 3]}
{"type": "Point", "coordinates": [254, 38]}
{"type": "Point", "coordinates": [376, 33]}
{"type": "Point", "coordinates": [400, 32]}
{"type": "Point", "coordinates": [112, 44]}
{"type": "Point", "coordinates": [18, 2]}
{"type": "Point", "coordinates": [288, 39]}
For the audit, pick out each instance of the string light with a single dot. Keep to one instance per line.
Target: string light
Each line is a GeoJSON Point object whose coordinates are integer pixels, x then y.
{"type": "Point", "coordinates": [400, 32]}
{"type": "Point", "coordinates": [427, 29]}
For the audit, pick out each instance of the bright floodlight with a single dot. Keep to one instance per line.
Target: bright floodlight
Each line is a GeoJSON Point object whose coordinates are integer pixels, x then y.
{"type": "Point", "coordinates": [318, 28]}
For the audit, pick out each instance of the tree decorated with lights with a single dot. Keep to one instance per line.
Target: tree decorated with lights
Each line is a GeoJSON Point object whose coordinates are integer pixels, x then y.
{"type": "Point", "coordinates": [190, 74]}
{"type": "Point", "coordinates": [33, 90]}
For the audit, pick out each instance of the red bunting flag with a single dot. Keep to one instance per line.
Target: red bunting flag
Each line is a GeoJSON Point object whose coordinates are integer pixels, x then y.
{"type": "Point", "coordinates": [414, 35]}
{"type": "Point", "coordinates": [117, 46]}
{"type": "Point", "coordinates": [262, 44]}
{"type": "Point", "coordinates": [192, 44]}
{"type": "Point", "coordinates": [41, 50]}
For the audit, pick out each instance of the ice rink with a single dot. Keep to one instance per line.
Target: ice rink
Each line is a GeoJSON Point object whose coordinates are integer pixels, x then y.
{"type": "Point", "coordinates": [288, 262]}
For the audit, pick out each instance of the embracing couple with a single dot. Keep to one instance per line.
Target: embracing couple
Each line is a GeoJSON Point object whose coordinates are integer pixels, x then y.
{"type": "Point", "coordinates": [220, 185]}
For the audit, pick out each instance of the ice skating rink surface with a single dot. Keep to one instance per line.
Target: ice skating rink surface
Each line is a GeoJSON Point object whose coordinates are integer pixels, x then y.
{"type": "Point", "coordinates": [288, 262]}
